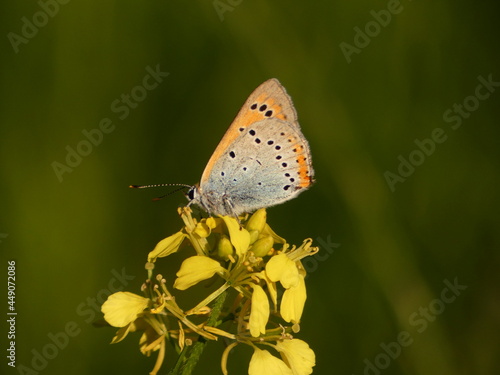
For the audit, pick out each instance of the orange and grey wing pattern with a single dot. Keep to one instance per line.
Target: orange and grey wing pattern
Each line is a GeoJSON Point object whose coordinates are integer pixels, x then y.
{"type": "Point", "coordinates": [269, 100]}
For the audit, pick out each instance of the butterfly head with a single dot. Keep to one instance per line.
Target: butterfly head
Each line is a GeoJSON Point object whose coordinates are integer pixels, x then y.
{"type": "Point", "coordinates": [195, 196]}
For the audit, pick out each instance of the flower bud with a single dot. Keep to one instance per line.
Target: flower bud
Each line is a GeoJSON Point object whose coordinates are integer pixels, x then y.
{"type": "Point", "coordinates": [254, 236]}
{"type": "Point", "coordinates": [257, 221]}
{"type": "Point", "coordinates": [262, 246]}
{"type": "Point", "coordinates": [224, 247]}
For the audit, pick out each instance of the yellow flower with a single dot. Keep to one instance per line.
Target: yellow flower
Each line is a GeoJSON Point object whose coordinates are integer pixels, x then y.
{"type": "Point", "coordinates": [264, 363]}
{"type": "Point", "coordinates": [195, 269]}
{"type": "Point", "coordinates": [283, 269]}
{"type": "Point", "coordinates": [259, 314]}
{"type": "Point", "coordinates": [293, 301]}
{"type": "Point", "coordinates": [166, 246]}
{"type": "Point", "coordinates": [245, 254]}
{"type": "Point", "coordinates": [123, 307]}
{"type": "Point", "coordinates": [298, 356]}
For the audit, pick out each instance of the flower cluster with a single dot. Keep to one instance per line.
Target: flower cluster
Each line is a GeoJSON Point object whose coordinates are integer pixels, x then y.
{"type": "Point", "coordinates": [246, 256]}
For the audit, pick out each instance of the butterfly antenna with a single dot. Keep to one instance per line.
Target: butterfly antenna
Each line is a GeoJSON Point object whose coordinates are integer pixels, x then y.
{"type": "Point", "coordinates": [182, 186]}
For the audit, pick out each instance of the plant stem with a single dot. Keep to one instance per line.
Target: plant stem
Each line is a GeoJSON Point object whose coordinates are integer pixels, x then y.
{"type": "Point", "coordinates": [191, 355]}
{"type": "Point", "coordinates": [209, 299]}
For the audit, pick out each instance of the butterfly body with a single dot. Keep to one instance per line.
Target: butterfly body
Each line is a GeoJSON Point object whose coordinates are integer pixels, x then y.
{"type": "Point", "coordinates": [262, 160]}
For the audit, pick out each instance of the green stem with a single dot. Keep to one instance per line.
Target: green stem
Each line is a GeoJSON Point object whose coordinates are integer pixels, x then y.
{"type": "Point", "coordinates": [191, 355]}
{"type": "Point", "coordinates": [209, 299]}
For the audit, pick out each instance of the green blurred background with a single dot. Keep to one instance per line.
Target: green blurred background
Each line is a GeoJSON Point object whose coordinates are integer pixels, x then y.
{"type": "Point", "coordinates": [385, 254]}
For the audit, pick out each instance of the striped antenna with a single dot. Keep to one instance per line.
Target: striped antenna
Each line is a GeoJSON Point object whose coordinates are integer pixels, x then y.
{"type": "Point", "coordinates": [182, 186]}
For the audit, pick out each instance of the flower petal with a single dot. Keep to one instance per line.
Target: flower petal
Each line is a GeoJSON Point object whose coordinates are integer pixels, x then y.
{"type": "Point", "coordinates": [277, 239]}
{"type": "Point", "coordinates": [240, 238]}
{"type": "Point", "coordinates": [211, 222]}
{"type": "Point", "coordinates": [167, 246]}
{"type": "Point", "coordinates": [264, 363]}
{"type": "Point", "coordinates": [293, 301]}
{"type": "Point", "coordinates": [121, 334]}
{"type": "Point", "coordinates": [283, 269]}
{"type": "Point", "coordinates": [202, 229]}
{"type": "Point", "coordinates": [259, 314]}
{"type": "Point", "coordinates": [123, 307]}
{"type": "Point", "coordinates": [298, 355]}
{"type": "Point", "coordinates": [195, 269]}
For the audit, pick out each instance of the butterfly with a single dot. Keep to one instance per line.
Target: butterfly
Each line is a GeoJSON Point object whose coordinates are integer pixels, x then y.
{"type": "Point", "coordinates": [262, 160]}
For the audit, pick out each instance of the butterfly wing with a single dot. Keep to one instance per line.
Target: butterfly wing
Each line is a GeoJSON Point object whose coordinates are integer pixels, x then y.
{"type": "Point", "coordinates": [268, 101]}
{"type": "Point", "coordinates": [268, 163]}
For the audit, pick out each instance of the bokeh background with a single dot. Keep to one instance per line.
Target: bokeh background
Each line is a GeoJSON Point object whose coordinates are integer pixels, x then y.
{"type": "Point", "coordinates": [386, 252]}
